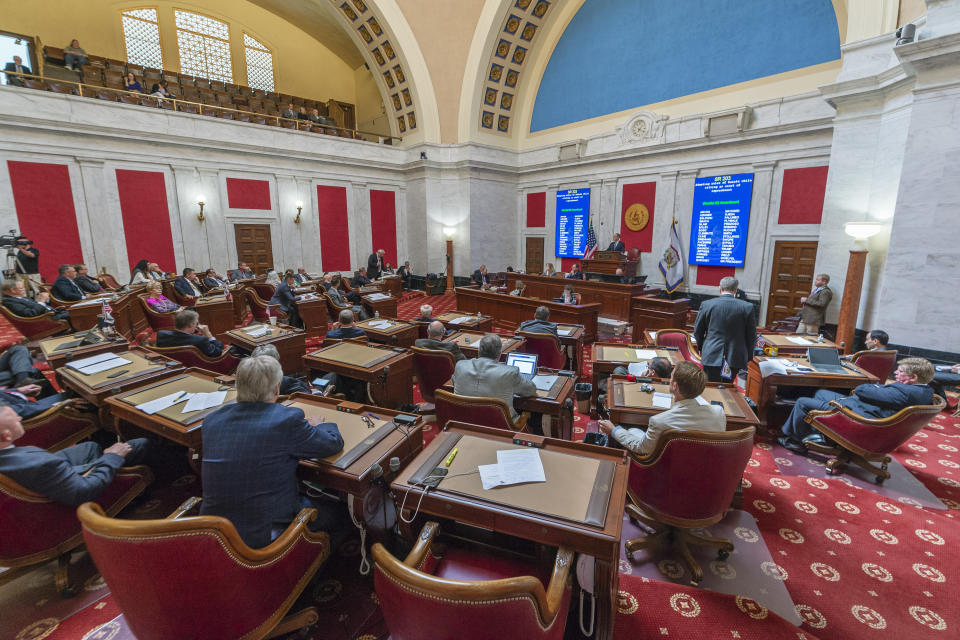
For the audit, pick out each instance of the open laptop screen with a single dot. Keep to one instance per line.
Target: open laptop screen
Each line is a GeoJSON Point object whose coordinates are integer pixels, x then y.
{"type": "Point", "coordinates": [526, 362]}
{"type": "Point", "coordinates": [827, 356]}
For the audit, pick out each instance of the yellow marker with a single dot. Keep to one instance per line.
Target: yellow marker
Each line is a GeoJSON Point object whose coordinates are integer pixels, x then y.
{"type": "Point", "coordinates": [453, 454]}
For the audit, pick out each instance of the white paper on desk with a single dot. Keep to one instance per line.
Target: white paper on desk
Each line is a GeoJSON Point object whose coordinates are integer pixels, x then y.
{"type": "Point", "coordinates": [85, 362]}
{"type": "Point", "coordinates": [87, 303]}
{"type": "Point", "coordinates": [646, 354]}
{"type": "Point", "coordinates": [637, 368]}
{"type": "Point", "coordinates": [489, 477]}
{"type": "Point", "coordinates": [460, 320]}
{"type": "Point", "coordinates": [564, 332]}
{"type": "Point", "coordinates": [380, 324]}
{"type": "Point", "coordinates": [662, 400]}
{"type": "Point", "coordinates": [701, 401]}
{"type": "Point", "coordinates": [159, 404]}
{"type": "Point", "coordinates": [262, 330]}
{"type": "Point", "coordinates": [772, 366]}
{"type": "Point", "coordinates": [798, 340]}
{"type": "Point", "coordinates": [520, 465]}
{"type": "Point", "coordinates": [201, 401]}
{"type": "Point", "coordinates": [378, 296]}
{"type": "Point", "coordinates": [104, 365]}
{"type": "Point", "coordinates": [544, 383]}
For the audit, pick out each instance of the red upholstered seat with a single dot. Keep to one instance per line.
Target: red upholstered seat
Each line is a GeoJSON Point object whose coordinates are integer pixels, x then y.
{"type": "Point", "coordinates": [433, 367]}
{"type": "Point", "coordinates": [681, 340]}
{"type": "Point", "coordinates": [879, 362]}
{"type": "Point", "coordinates": [260, 308]}
{"type": "Point", "coordinates": [487, 412]}
{"type": "Point", "coordinates": [107, 281]}
{"type": "Point", "coordinates": [864, 440]}
{"type": "Point", "coordinates": [193, 577]}
{"type": "Point", "coordinates": [34, 530]}
{"type": "Point", "coordinates": [550, 353]}
{"type": "Point", "coordinates": [36, 327]}
{"type": "Point", "coordinates": [470, 596]}
{"type": "Point", "coordinates": [157, 320]}
{"type": "Point", "coordinates": [58, 427]}
{"type": "Point", "coordinates": [189, 356]}
{"type": "Point", "coordinates": [334, 309]}
{"type": "Point", "coordinates": [666, 496]}
{"type": "Point", "coordinates": [264, 290]}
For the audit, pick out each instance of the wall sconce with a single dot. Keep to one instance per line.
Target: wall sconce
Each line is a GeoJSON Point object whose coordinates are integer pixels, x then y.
{"type": "Point", "coordinates": [862, 230]}
{"type": "Point", "coordinates": [299, 209]}
{"type": "Point", "coordinates": [201, 201]}
{"type": "Point", "coordinates": [449, 231]}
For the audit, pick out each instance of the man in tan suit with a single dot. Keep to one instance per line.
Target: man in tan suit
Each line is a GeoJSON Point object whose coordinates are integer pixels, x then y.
{"type": "Point", "coordinates": [815, 305]}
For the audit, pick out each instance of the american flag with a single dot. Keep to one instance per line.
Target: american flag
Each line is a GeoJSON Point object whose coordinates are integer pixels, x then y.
{"type": "Point", "coordinates": [591, 244]}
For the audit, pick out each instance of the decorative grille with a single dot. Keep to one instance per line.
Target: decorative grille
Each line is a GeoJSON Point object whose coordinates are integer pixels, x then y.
{"type": "Point", "coordinates": [259, 64]}
{"type": "Point", "coordinates": [141, 35]}
{"type": "Point", "coordinates": [204, 45]}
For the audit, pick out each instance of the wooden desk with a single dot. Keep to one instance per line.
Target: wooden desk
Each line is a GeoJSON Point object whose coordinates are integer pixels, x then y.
{"type": "Point", "coordinates": [504, 511]}
{"type": "Point", "coordinates": [217, 313]}
{"type": "Point", "coordinates": [392, 285]}
{"type": "Point", "coordinates": [467, 341]}
{"type": "Point", "coordinates": [609, 266]}
{"type": "Point", "coordinates": [289, 341]}
{"type": "Point", "coordinates": [509, 311]}
{"type": "Point", "coordinates": [128, 314]}
{"type": "Point", "coordinates": [573, 343]}
{"type": "Point", "coordinates": [607, 356]}
{"type": "Point", "coordinates": [313, 312]}
{"type": "Point", "coordinates": [614, 298]}
{"type": "Point", "coordinates": [239, 299]}
{"type": "Point", "coordinates": [399, 334]}
{"type": "Point", "coordinates": [627, 412]}
{"type": "Point", "coordinates": [386, 307]}
{"type": "Point", "coordinates": [172, 424]}
{"type": "Point", "coordinates": [56, 359]}
{"type": "Point", "coordinates": [763, 390]}
{"type": "Point", "coordinates": [786, 346]}
{"type": "Point", "coordinates": [388, 371]}
{"type": "Point", "coordinates": [484, 323]}
{"type": "Point", "coordinates": [349, 471]}
{"type": "Point", "coordinates": [652, 313]}
{"type": "Point", "coordinates": [83, 313]}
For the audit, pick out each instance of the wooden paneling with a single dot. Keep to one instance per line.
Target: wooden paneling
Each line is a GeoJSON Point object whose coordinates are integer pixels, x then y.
{"type": "Point", "coordinates": [791, 278]}
{"type": "Point", "coordinates": [614, 299]}
{"type": "Point", "coordinates": [534, 255]}
{"type": "Point", "coordinates": [509, 311]}
{"type": "Point", "coordinates": [254, 246]}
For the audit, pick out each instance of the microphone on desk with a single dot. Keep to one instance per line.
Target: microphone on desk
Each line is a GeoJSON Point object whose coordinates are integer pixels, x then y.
{"type": "Point", "coordinates": [394, 464]}
{"type": "Point", "coordinates": [383, 376]}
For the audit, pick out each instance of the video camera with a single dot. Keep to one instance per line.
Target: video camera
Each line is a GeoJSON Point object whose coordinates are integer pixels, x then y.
{"type": "Point", "coordinates": [11, 238]}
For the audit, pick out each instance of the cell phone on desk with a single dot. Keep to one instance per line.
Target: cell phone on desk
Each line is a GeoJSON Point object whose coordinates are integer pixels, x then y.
{"type": "Point", "coordinates": [320, 383]}
{"type": "Point", "coordinates": [716, 402]}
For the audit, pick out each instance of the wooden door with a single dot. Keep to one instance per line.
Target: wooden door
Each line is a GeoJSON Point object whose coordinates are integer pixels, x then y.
{"type": "Point", "coordinates": [791, 278]}
{"type": "Point", "coordinates": [254, 246]}
{"type": "Point", "coordinates": [534, 254]}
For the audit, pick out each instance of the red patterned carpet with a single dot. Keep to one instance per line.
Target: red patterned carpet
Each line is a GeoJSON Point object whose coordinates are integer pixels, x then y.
{"type": "Point", "coordinates": [856, 564]}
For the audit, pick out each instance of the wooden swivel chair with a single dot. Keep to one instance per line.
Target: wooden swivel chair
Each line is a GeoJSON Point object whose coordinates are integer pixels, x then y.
{"type": "Point", "coordinates": [433, 367]}
{"type": "Point", "coordinates": [680, 339]}
{"type": "Point", "coordinates": [58, 427]}
{"type": "Point", "coordinates": [880, 363]}
{"type": "Point", "coordinates": [158, 320]}
{"type": "Point", "coordinates": [203, 581]}
{"type": "Point", "coordinates": [687, 482]}
{"type": "Point", "coordinates": [550, 353]}
{"type": "Point", "coordinates": [261, 309]}
{"type": "Point", "coordinates": [36, 327]}
{"type": "Point", "coordinates": [470, 596]}
{"type": "Point", "coordinates": [487, 412]}
{"type": "Point", "coordinates": [190, 356]}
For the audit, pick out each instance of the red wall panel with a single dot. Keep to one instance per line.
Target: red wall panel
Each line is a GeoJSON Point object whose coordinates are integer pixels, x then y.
{"type": "Point", "coordinates": [334, 228]}
{"type": "Point", "coordinates": [801, 199]}
{"type": "Point", "coordinates": [711, 275]}
{"type": "Point", "coordinates": [567, 263]}
{"type": "Point", "coordinates": [383, 224]}
{"type": "Point", "coordinates": [537, 209]}
{"type": "Point", "coordinates": [146, 218]}
{"type": "Point", "coordinates": [248, 194]}
{"type": "Point", "coordinates": [45, 213]}
{"type": "Point", "coordinates": [644, 193]}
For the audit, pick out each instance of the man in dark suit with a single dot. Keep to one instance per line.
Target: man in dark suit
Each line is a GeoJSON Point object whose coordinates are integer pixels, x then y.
{"type": "Point", "coordinates": [72, 476]}
{"type": "Point", "coordinates": [288, 384]}
{"type": "Point", "coordinates": [726, 331]}
{"type": "Point", "coordinates": [345, 329]}
{"type": "Point", "coordinates": [911, 388]}
{"type": "Point", "coordinates": [242, 272]}
{"type": "Point", "coordinates": [84, 281]}
{"type": "Point", "coordinates": [617, 244]}
{"type": "Point", "coordinates": [426, 314]}
{"type": "Point", "coordinates": [404, 273]}
{"type": "Point", "coordinates": [15, 298]}
{"type": "Point", "coordinates": [287, 300]}
{"type": "Point", "coordinates": [575, 273]}
{"type": "Point", "coordinates": [360, 278]}
{"type": "Point", "coordinates": [251, 451]}
{"type": "Point", "coordinates": [375, 264]}
{"type": "Point", "coordinates": [302, 276]}
{"type": "Point", "coordinates": [481, 278]}
{"type": "Point", "coordinates": [23, 400]}
{"type": "Point", "coordinates": [540, 323]}
{"type": "Point", "coordinates": [16, 367]}
{"type": "Point", "coordinates": [188, 330]}
{"type": "Point", "coordinates": [18, 67]}
{"type": "Point", "coordinates": [212, 280]}
{"type": "Point", "coordinates": [434, 340]}
{"type": "Point", "coordinates": [64, 288]}
{"type": "Point", "coordinates": [188, 284]}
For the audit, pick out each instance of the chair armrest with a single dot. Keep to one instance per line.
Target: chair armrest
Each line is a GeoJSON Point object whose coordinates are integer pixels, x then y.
{"type": "Point", "coordinates": [416, 556]}
{"type": "Point", "coordinates": [188, 505]}
{"type": "Point", "coordinates": [559, 580]}
{"type": "Point", "coordinates": [520, 424]}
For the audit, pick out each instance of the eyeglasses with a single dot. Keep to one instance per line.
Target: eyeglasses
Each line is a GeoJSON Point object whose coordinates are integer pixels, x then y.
{"type": "Point", "coordinates": [367, 421]}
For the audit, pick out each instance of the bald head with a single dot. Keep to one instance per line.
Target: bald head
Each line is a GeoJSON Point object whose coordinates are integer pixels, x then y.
{"type": "Point", "coordinates": [435, 330]}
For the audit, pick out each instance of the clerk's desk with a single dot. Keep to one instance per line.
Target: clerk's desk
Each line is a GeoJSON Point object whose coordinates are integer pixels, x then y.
{"type": "Point", "coordinates": [388, 371]}
{"type": "Point", "coordinates": [614, 298]}
{"type": "Point", "coordinates": [630, 406]}
{"type": "Point", "coordinates": [580, 506]}
{"type": "Point", "coordinates": [511, 311]}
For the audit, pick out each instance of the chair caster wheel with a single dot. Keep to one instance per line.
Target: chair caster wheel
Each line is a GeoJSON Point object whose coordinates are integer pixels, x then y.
{"type": "Point", "coordinates": [831, 472]}
{"type": "Point", "coordinates": [723, 554]}
{"type": "Point", "coordinates": [879, 479]}
{"type": "Point", "coordinates": [69, 592]}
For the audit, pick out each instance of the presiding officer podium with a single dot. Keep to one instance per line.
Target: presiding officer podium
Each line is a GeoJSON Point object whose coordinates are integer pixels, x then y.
{"type": "Point", "coordinates": [607, 263]}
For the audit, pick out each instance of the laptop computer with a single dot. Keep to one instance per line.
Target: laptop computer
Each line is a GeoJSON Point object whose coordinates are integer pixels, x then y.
{"type": "Point", "coordinates": [525, 362]}
{"type": "Point", "coordinates": [825, 359]}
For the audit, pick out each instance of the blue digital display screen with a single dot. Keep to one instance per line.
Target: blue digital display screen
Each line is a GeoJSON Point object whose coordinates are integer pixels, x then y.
{"type": "Point", "coordinates": [721, 216]}
{"type": "Point", "coordinates": [573, 217]}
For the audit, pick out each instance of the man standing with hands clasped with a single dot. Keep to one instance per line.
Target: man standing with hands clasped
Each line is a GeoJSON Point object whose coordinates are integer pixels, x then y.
{"type": "Point", "coordinates": [726, 331]}
{"type": "Point", "coordinates": [815, 305]}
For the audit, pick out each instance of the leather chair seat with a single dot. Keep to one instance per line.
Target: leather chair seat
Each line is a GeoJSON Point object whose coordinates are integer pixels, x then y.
{"type": "Point", "coordinates": [467, 566]}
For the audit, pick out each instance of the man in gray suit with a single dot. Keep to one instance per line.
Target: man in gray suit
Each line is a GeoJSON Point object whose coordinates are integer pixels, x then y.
{"type": "Point", "coordinates": [726, 331]}
{"type": "Point", "coordinates": [540, 323]}
{"type": "Point", "coordinates": [815, 305]}
{"type": "Point", "coordinates": [487, 377]}
{"type": "Point", "coordinates": [434, 340]}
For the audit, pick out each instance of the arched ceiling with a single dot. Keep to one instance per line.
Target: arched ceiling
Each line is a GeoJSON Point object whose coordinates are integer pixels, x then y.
{"type": "Point", "coordinates": [318, 19]}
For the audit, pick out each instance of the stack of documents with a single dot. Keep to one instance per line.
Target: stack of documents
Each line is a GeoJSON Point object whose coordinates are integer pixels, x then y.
{"type": "Point", "coordinates": [98, 363]}
{"type": "Point", "coordinates": [195, 402]}
{"type": "Point", "coordinates": [564, 332]}
{"type": "Point", "coordinates": [378, 296]}
{"type": "Point", "coordinates": [514, 466]}
{"type": "Point", "coordinates": [646, 354]}
{"type": "Point", "coordinates": [380, 324]}
{"type": "Point", "coordinates": [800, 341]}
{"type": "Point", "coordinates": [544, 383]}
{"type": "Point", "coordinates": [258, 331]}
{"type": "Point", "coordinates": [461, 320]}
{"type": "Point", "coordinates": [662, 400]}
{"type": "Point", "coordinates": [780, 366]}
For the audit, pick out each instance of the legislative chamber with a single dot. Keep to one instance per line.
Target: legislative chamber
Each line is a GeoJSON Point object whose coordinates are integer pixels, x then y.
{"type": "Point", "coordinates": [540, 319]}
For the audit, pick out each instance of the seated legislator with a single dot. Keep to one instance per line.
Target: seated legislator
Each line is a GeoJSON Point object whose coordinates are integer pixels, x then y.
{"type": "Point", "coordinates": [426, 314]}
{"type": "Point", "coordinates": [242, 272]}
{"type": "Point", "coordinates": [549, 271]}
{"type": "Point", "coordinates": [877, 340]}
{"type": "Point", "coordinates": [337, 295]}
{"type": "Point", "coordinates": [521, 289]}
{"type": "Point", "coordinates": [434, 340]}
{"type": "Point", "coordinates": [287, 300]}
{"type": "Point", "coordinates": [251, 450]}
{"type": "Point", "coordinates": [64, 287]}
{"type": "Point", "coordinates": [188, 284]}
{"type": "Point", "coordinates": [72, 476]}
{"type": "Point", "coordinates": [345, 329]}
{"type": "Point", "coordinates": [327, 281]}
{"type": "Point", "coordinates": [273, 278]}
{"type": "Point", "coordinates": [157, 301]}
{"type": "Point", "coordinates": [84, 281]}
{"type": "Point", "coordinates": [569, 295]}
{"type": "Point", "coordinates": [188, 330]}
{"type": "Point", "coordinates": [360, 278]}
{"type": "Point", "coordinates": [687, 382]}
{"type": "Point", "coordinates": [404, 273]}
{"type": "Point", "coordinates": [212, 280]}
{"type": "Point", "coordinates": [288, 384]}
{"type": "Point", "coordinates": [26, 400]}
{"type": "Point", "coordinates": [15, 299]}
{"type": "Point", "coordinates": [481, 277]}
{"type": "Point", "coordinates": [540, 323]}
{"type": "Point", "coordinates": [302, 276]}
{"type": "Point", "coordinates": [16, 367]}
{"type": "Point", "coordinates": [140, 272]}
{"type": "Point", "coordinates": [949, 377]}
{"type": "Point", "coordinates": [617, 244]}
{"type": "Point", "coordinates": [911, 388]}
{"type": "Point", "coordinates": [486, 377]}
{"type": "Point", "coordinates": [575, 273]}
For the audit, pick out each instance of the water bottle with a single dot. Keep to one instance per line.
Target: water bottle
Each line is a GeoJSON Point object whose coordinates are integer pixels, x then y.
{"type": "Point", "coordinates": [820, 338]}
{"type": "Point", "coordinates": [376, 314]}
{"type": "Point", "coordinates": [479, 317]}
